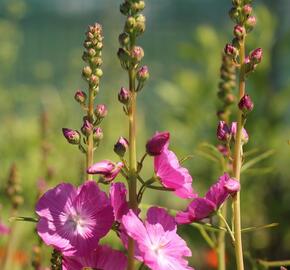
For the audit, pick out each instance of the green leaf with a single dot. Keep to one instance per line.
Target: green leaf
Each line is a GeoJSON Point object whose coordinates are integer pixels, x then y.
{"type": "Point", "coordinates": [27, 219]}
{"type": "Point", "coordinates": [259, 171]}
{"type": "Point", "coordinates": [256, 160]}
{"type": "Point", "coordinates": [257, 228]}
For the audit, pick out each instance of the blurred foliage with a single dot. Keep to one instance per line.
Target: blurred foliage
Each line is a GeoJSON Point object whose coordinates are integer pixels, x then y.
{"type": "Point", "coordinates": [40, 63]}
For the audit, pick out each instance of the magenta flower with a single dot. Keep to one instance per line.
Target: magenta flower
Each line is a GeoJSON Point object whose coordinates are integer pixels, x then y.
{"type": "Point", "coordinates": [108, 169]}
{"type": "Point", "coordinates": [172, 175]}
{"type": "Point", "coordinates": [73, 220]}
{"type": "Point", "coordinates": [158, 143]}
{"type": "Point", "coordinates": [245, 136]}
{"type": "Point", "coordinates": [160, 246]}
{"type": "Point", "coordinates": [201, 208]}
{"type": "Point", "coordinates": [4, 229]}
{"type": "Point", "coordinates": [119, 203]}
{"type": "Point", "coordinates": [223, 131]}
{"type": "Point", "coordinates": [103, 257]}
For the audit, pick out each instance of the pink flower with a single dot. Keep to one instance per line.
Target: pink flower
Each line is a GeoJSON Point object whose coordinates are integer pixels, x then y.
{"type": "Point", "coordinates": [4, 229]}
{"type": "Point", "coordinates": [172, 175]}
{"type": "Point", "coordinates": [201, 208]}
{"type": "Point", "coordinates": [73, 220]}
{"type": "Point", "coordinates": [160, 246]}
{"type": "Point", "coordinates": [108, 169]}
{"type": "Point", "coordinates": [158, 143]}
{"type": "Point", "coordinates": [245, 136]}
{"type": "Point", "coordinates": [119, 203]}
{"type": "Point", "coordinates": [103, 257]}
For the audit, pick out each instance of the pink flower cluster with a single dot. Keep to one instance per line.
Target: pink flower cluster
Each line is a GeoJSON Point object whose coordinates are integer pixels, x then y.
{"type": "Point", "coordinates": [73, 220]}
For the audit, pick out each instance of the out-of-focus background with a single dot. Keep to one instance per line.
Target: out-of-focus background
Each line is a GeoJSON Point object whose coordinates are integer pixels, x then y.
{"type": "Point", "coordinates": [40, 67]}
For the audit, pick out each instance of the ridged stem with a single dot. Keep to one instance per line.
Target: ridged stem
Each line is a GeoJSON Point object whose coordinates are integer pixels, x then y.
{"type": "Point", "coordinates": [237, 163]}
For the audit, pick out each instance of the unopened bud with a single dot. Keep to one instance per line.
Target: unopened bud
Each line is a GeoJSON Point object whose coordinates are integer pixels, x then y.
{"type": "Point", "coordinates": [123, 55]}
{"type": "Point", "coordinates": [239, 31]}
{"type": "Point", "coordinates": [124, 39]}
{"type": "Point", "coordinates": [234, 14]}
{"type": "Point", "coordinates": [87, 128]}
{"type": "Point", "coordinates": [230, 50]}
{"type": "Point", "coordinates": [250, 23]}
{"type": "Point", "coordinates": [101, 111]}
{"type": "Point", "coordinates": [223, 131]}
{"type": "Point", "coordinates": [98, 134]}
{"type": "Point", "coordinates": [80, 97]}
{"type": "Point", "coordinates": [124, 96]}
{"type": "Point", "coordinates": [97, 61]}
{"type": "Point", "coordinates": [140, 24]}
{"type": "Point", "coordinates": [246, 104]}
{"type": "Point", "coordinates": [256, 56]}
{"type": "Point", "coordinates": [137, 54]}
{"type": "Point", "coordinates": [72, 136]}
{"type": "Point", "coordinates": [125, 8]}
{"type": "Point", "coordinates": [94, 80]}
{"type": "Point", "coordinates": [138, 6]}
{"type": "Point", "coordinates": [143, 74]}
{"type": "Point", "coordinates": [157, 143]}
{"type": "Point", "coordinates": [99, 72]}
{"type": "Point", "coordinates": [130, 24]}
{"type": "Point", "coordinates": [247, 10]}
{"type": "Point", "coordinates": [121, 146]}
{"type": "Point", "coordinates": [87, 72]}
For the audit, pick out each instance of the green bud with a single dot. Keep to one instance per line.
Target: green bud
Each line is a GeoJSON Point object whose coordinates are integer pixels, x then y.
{"type": "Point", "coordinates": [124, 39]}
{"type": "Point", "coordinates": [140, 24]}
{"type": "Point", "coordinates": [130, 24]}
{"type": "Point", "coordinates": [87, 72]}
{"type": "Point", "coordinates": [99, 72]}
{"type": "Point", "coordinates": [125, 8]}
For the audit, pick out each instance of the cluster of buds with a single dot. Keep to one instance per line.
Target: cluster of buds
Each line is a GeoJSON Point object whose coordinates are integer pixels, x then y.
{"type": "Point", "coordinates": [129, 54]}
{"type": "Point", "coordinates": [14, 189]}
{"type": "Point", "coordinates": [91, 73]}
{"type": "Point", "coordinates": [241, 14]}
{"type": "Point", "coordinates": [226, 87]}
{"type": "Point", "coordinates": [227, 133]}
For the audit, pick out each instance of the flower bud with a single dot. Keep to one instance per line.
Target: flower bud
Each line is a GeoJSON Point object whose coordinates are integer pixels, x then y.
{"type": "Point", "coordinates": [137, 54]}
{"type": "Point", "coordinates": [140, 24]}
{"type": "Point", "coordinates": [124, 57]}
{"type": "Point", "coordinates": [247, 10]}
{"type": "Point", "coordinates": [99, 72]}
{"type": "Point", "coordinates": [158, 143]}
{"type": "Point", "coordinates": [80, 97]}
{"type": "Point", "coordinates": [250, 23]}
{"type": "Point", "coordinates": [121, 146]}
{"type": "Point", "coordinates": [98, 134]}
{"type": "Point", "coordinates": [223, 131]}
{"type": "Point", "coordinates": [87, 72]}
{"type": "Point", "coordinates": [101, 111]}
{"type": "Point", "coordinates": [87, 128]}
{"type": "Point", "coordinates": [256, 56]}
{"type": "Point", "coordinates": [138, 6]}
{"type": "Point", "coordinates": [124, 96]}
{"type": "Point", "coordinates": [124, 39]}
{"type": "Point", "coordinates": [245, 136]}
{"type": "Point", "coordinates": [239, 31]}
{"type": "Point", "coordinates": [143, 74]}
{"type": "Point", "coordinates": [94, 80]}
{"type": "Point", "coordinates": [72, 136]}
{"type": "Point", "coordinates": [130, 24]}
{"type": "Point", "coordinates": [246, 104]}
{"type": "Point", "coordinates": [234, 14]}
{"type": "Point", "coordinates": [108, 169]}
{"type": "Point", "coordinates": [125, 8]}
{"type": "Point", "coordinates": [230, 50]}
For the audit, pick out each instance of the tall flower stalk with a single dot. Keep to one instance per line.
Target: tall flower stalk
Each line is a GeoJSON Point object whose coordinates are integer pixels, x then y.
{"type": "Point", "coordinates": [245, 22]}
{"type": "Point", "coordinates": [130, 57]}
{"type": "Point", "coordinates": [91, 134]}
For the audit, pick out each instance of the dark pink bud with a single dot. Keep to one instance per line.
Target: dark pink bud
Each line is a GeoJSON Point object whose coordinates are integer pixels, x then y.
{"type": "Point", "coordinates": [143, 74]}
{"type": "Point", "coordinates": [121, 146]}
{"type": "Point", "coordinates": [158, 143]}
{"type": "Point", "coordinates": [98, 134]}
{"type": "Point", "coordinates": [246, 104]}
{"type": "Point", "coordinates": [256, 56]}
{"type": "Point", "coordinates": [247, 10]}
{"type": "Point", "coordinates": [223, 150]}
{"type": "Point", "coordinates": [239, 31]}
{"type": "Point", "coordinates": [101, 111]}
{"type": "Point", "coordinates": [124, 96]}
{"type": "Point", "coordinates": [230, 50]}
{"type": "Point", "coordinates": [223, 131]}
{"type": "Point", "coordinates": [87, 128]}
{"type": "Point", "coordinates": [80, 96]}
{"type": "Point", "coordinates": [108, 169]}
{"type": "Point", "coordinates": [72, 136]}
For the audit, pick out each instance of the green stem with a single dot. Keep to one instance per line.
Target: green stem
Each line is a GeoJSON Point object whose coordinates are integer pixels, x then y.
{"type": "Point", "coordinates": [237, 164]}
{"type": "Point", "coordinates": [274, 263]}
{"type": "Point", "coordinates": [90, 139]}
{"type": "Point", "coordinates": [221, 245]}
{"type": "Point", "coordinates": [227, 226]}
{"type": "Point", "coordinates": [132, 161]}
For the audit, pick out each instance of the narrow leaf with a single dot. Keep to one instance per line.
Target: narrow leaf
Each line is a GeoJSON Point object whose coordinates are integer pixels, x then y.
{"type": "Point", "coordinates": [257, 228]}
{"type": "Point", "coordinates": [256, 160]}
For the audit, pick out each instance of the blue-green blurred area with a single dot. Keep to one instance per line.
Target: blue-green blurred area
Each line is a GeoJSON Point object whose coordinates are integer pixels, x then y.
{"type": "Point", "coordinates": [40, 67]}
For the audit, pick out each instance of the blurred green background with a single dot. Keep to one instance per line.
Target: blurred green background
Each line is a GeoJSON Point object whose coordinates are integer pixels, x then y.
{"type": "Point", "coordinates": [40, 67]}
